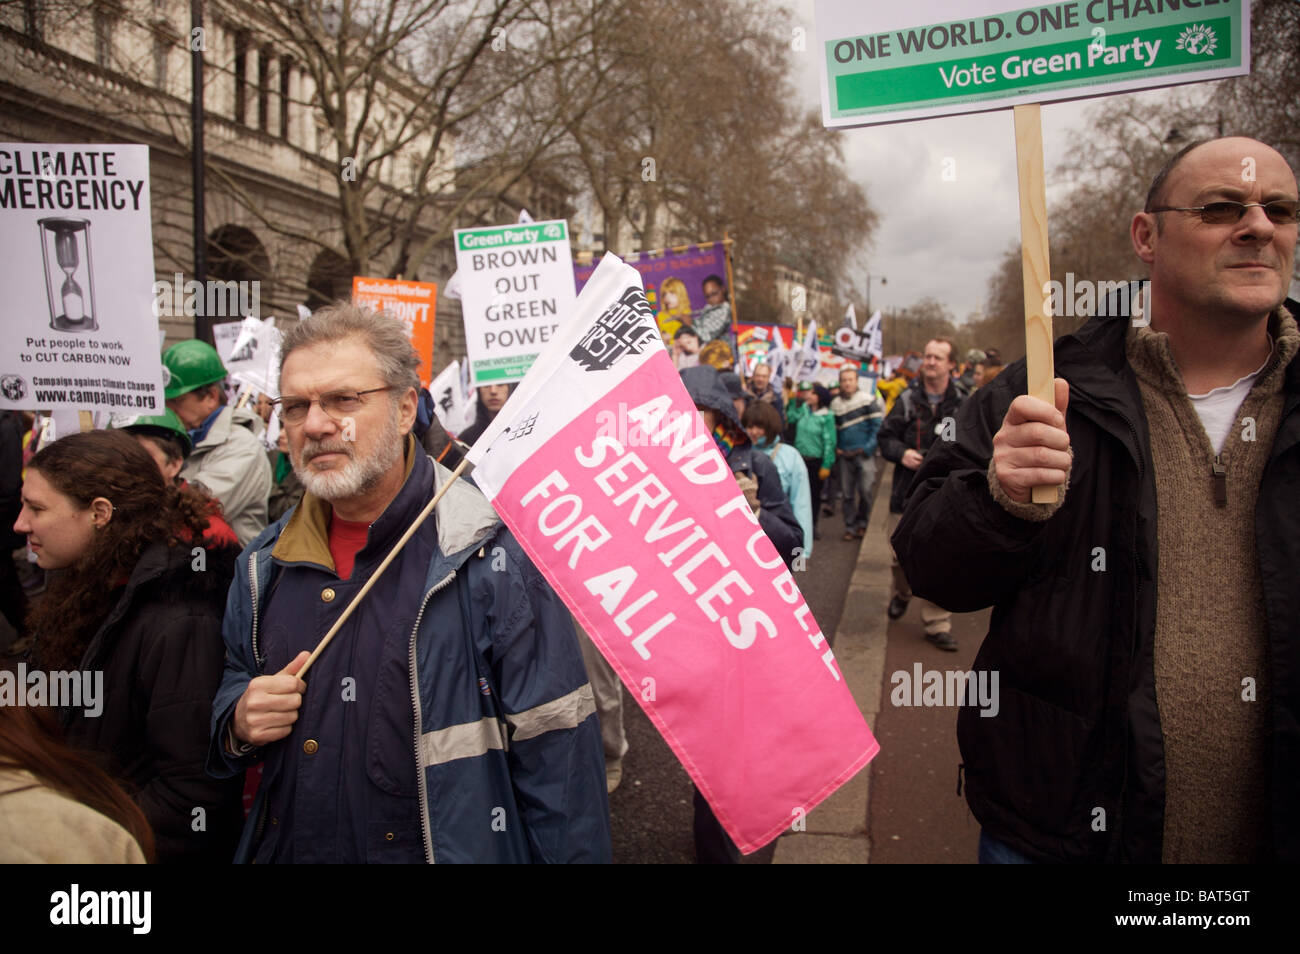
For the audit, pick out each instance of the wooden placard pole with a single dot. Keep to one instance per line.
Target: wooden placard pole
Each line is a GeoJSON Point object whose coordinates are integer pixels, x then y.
{"type": "Point", "coordinates": [397, 548]}
{"type": "Point", "coordinates": [731, 282]}
{"type": "Point", "coordinates": [1035, 263]}
{"type": "Point", "coordinates": [86, 420]}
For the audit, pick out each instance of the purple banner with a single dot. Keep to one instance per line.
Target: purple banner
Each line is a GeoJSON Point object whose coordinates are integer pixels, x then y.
{"type": "Point", "coordinates": [675, 288]}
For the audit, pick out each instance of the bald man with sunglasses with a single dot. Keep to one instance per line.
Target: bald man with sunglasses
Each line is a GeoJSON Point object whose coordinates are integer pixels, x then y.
{"type": "Point", "coordinates": [1146, 627]}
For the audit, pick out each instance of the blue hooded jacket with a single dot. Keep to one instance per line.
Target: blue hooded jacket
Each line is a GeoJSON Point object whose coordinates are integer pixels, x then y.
{"type": "Point", "coordinates": [775, 516]}
{"type": "Point", "coordinates": [500, 759]}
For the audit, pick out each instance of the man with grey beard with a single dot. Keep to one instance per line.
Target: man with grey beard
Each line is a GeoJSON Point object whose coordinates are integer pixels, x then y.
{"type": "Point", "coordinates": [451, 718]}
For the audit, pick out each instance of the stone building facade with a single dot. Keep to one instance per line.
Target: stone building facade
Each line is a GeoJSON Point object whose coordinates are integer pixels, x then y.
{"type": "Point", "coordinates": [120, 71]}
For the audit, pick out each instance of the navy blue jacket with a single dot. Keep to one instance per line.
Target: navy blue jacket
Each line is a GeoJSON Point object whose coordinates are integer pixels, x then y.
{"type": "Point", "coordinates": [495, 744]}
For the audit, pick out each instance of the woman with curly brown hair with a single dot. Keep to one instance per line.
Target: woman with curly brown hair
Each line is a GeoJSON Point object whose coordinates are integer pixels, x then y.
{"type": "Point", "coordinates": [138, 595]}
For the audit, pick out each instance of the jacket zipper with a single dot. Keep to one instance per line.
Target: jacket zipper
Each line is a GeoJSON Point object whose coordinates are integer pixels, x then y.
{"type": "Point", "coordinates": [252, 582]}
{"type": "Point", "coordinates": [1220, 474]}
{"type": "Point", "coordinates": [260, 829]}
{"type": "Point", "coordinates": [426, 836]}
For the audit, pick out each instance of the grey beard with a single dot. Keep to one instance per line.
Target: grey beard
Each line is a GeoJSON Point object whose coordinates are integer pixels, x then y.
{"type": "Point", "coordinates": [356, 477]}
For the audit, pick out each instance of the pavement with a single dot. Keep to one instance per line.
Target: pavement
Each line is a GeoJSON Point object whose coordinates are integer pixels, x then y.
{"type": "Point", "coordinates": [903, 807]}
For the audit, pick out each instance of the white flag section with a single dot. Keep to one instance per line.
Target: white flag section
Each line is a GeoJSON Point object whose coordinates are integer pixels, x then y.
{"type": "Point", "coordinates": [450, 403]}
{"type": "Point", "coordinates": [778, 359]}
{"type": "Point", "coordinates": [874, 336]}
{"type": "Point", "coordinates": [851, 317]}
{"type": "Point", "coordinates": [603, 469]}
{"type": "Point", "coordinates": [810, 358]}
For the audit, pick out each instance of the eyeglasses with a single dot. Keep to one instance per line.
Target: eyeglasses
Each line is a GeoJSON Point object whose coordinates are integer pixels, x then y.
{"type": "Point", "coordinates": [1279, 211]}
{"type": "Point", "coordinates": [294, 410]}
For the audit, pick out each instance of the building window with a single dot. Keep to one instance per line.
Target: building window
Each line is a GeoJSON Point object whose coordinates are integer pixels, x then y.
{"type": "Point", "coordinates": [104, 24]}
{"type": "Point", "coordinates": [286, 66]}
{"type": "Point", "coordinates": [241, 81]}
{"type": "Point", "coordinates": [32, 19]}
{"type": "Point", "coordinates": [263, 89]}
{"type": "Point", "coordinates": [161, 48]}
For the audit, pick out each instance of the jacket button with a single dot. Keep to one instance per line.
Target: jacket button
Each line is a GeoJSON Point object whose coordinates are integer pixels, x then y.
{"type": "Point", "coordinates": [327, 595]}
{"type": "Point", "coordinates": [310, 746]}
{"type": "Point", "coordinates": [389, 836]}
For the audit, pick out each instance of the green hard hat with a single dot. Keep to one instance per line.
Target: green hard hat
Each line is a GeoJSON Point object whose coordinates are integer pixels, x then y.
{"type": "Point", "coordinates": [166, 424]}
{"type": "Point", "coordinates": [188, 365]}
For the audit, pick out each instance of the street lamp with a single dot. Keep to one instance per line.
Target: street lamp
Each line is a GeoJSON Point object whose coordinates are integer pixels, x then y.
{"type": "Point", "coordinates": [203, 321]}
{"type": "Point", "coordinates": [883, 281]}
{"type": "Point", "coordinates": [331, 18]}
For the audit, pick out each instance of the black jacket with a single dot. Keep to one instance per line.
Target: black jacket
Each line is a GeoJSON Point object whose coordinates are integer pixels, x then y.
{"type": "Point", "coordinates": [11, 480]}
{"type": "Point", "coordinates": [1078, 727]}
{"type": "Point", "coordinates": [775, 515]}
{"type": "Point", "coordinates": [161, 654]}
{"type": "Point", "coordinates": [911, 424]}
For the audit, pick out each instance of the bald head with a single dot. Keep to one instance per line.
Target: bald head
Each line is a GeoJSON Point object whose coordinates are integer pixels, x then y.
{"type": "Point", "coordinates": [1165, 181]}
{"type": "Point", "coordinates": [1224, 268]}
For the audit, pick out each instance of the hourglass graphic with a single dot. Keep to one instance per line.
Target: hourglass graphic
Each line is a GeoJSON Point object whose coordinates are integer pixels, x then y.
{"type": "Point", "coordinates": [69, 281]}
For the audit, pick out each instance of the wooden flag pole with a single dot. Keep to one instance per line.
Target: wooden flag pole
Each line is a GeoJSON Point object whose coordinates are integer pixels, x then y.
{"type": "Point", "coordinates": [731, 282]}
{"type": "Point", "coordinates": [1035, 263]}
{"type": "Point", "coordinates": [379, 570]}
{"type": "Point", "coordinates": [86, 420]}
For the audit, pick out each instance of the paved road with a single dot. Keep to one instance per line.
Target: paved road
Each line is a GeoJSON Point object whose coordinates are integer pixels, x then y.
{"type": "Point", "coordinates": [651, 810]}
{"type": "Point", "coordinates": [915, 814]}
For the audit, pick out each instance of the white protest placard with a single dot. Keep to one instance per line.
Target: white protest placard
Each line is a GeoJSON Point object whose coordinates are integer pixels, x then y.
{"type": "Point", "coordinates": [224, 336]}
{"type": "Point", "coordinates": [881, 62]}
{"type": "Point", "coordinates": [516, 284]}
{"type": "Point", "coordinates": [252, 358]}
{"type": "Point", "coordinates": [76, 264]}
{"type": "Point", "coordinates": [809, 357]}
{"type": "Point", "coordinates": [451, 405]}
{"type": "Point", "coordinates": [859, 345]}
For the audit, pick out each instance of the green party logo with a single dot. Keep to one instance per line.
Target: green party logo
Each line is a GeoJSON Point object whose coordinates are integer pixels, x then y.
{"type": "Point", "coordinates": [1197, 39]}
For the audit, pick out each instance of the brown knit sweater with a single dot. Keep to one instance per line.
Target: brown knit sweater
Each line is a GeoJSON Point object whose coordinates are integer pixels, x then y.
{"type": "Point", "coordinates": [1210, 626]}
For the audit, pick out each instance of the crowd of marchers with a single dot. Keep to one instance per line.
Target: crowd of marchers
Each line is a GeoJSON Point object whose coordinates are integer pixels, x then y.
{"type": "Point", "coordinates": [1146, 623]}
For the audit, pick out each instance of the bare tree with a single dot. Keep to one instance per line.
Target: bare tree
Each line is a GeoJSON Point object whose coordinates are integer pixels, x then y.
{"type": "Point", "coordinates": [398, 84]}
{"type": "Point", "coordinates": [690, 130]}
{"type": "Point", "coordinates": [1109, 167]}
{"type": "Point", "coordinates": [426, 111]}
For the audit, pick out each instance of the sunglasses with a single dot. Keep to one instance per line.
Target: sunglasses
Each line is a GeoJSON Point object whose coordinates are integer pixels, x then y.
{"type": "Point", "coordinates": [1279, 211]}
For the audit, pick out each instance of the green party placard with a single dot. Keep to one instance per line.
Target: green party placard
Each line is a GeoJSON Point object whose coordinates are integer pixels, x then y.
{"type": "Point", "coordinates": [939, 57]}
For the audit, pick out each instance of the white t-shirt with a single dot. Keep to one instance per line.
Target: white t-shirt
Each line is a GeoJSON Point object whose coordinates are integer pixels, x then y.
{"type": "Point", "coordinates": [1217, 409]}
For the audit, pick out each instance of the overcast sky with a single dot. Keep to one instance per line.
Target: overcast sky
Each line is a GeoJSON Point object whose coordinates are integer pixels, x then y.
{"type": "Point", "coordinates": [936, 238]}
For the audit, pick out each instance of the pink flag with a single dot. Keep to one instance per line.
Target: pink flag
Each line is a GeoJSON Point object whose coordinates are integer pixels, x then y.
{"type": "Point", "coordinates": [606, 474]}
